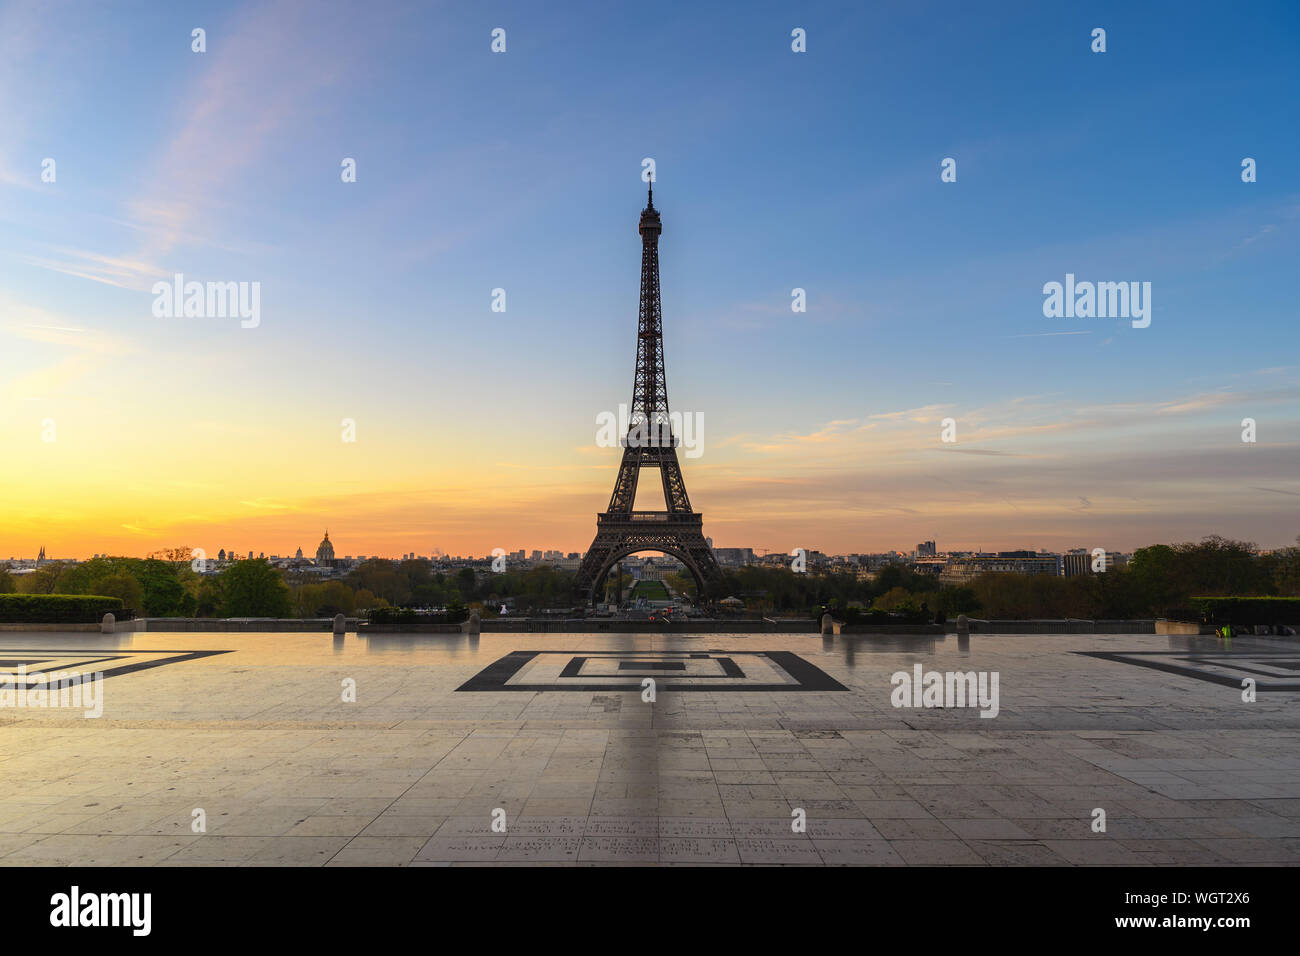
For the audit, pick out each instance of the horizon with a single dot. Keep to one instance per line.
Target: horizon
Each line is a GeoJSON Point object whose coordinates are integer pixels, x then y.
{"type": "Point", "coordinates": [439, 554]}
{"type": "Point", "coordinates": [476, 171]}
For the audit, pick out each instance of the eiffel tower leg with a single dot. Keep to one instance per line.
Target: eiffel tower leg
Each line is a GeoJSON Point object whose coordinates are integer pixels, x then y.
{"type": "Point", "coordinates": [707, 564]}
{"type": "Point", "coordinates": [589, 573]}
{"type": "Point", "coordinates": [621, 534]}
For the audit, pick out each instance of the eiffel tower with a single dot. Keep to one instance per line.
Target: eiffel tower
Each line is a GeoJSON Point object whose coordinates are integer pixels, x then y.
{"type": "Point", "coordinates": [649, 442]}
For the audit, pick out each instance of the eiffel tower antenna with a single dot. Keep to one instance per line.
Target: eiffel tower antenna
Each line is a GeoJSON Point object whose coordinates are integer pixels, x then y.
{"type": "Point", "coordinates": [649, 443]}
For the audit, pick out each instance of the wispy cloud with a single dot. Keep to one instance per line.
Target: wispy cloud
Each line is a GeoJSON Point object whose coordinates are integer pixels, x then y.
{"type": "Point", "coordinates": [1278, 491]}
{"type": "Point", "coordinates": [261, 79]}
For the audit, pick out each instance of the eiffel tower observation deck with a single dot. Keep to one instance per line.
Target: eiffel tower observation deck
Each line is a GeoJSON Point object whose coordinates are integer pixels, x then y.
{"type": "Point", "coordinates": [649, 443]}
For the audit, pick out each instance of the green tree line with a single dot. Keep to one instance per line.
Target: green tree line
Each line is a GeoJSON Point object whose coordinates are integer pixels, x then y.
{"type": "Point", "coordinates": [1158, 581]}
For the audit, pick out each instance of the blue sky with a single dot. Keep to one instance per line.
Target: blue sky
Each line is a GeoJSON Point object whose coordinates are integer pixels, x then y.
{"type": "Point", "coordinates": [775, 170]}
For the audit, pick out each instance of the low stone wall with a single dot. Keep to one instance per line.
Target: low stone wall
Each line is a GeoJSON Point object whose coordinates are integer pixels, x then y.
{"type": "Point", "coordinates": [252, 625]}
{"type": "Point", "coordinates": [598, 626]}
{"type": "Point", "coordinates": [68, 628]}
{"type": "Point", "coordinates": [890, 629]}
{"type": "Point", "coordinates": [1183, 627]}
{"type": "Point", "coordinates": [365, 628]}
{"type": "Point", "coordinates": [1066, 626]}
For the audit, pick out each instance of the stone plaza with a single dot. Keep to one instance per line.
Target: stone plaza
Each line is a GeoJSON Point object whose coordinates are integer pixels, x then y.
{"type": "Point", "coordinates": [300, 749]}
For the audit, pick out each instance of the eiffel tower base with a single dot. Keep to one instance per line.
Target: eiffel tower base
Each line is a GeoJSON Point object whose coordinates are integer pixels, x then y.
{"type": "Point", "coordinates": [619, 534]}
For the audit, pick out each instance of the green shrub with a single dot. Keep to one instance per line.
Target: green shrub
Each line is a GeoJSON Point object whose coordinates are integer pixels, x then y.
{"type": "Point", "coordinates": [406, 618]}
{"type": "Point", "coordinates": [1248, 610]}
{"type": "Point", "coordinates": [875, 615]}
{"type": "Point", "coordinates": [56, 608]}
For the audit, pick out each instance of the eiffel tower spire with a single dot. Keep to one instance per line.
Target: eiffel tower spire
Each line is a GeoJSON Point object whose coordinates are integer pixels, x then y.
{"type": "Point", "coordinates": [649, 443]}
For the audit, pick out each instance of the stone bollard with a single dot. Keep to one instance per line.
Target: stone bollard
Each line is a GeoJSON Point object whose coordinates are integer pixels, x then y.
{"type": "Point", "coordinates": [340, 625]}
{"type": "Point", "coordinates": [108, 625]}
{"type": "Point", "coordinates": [828, 624]}
{"type": "Point", "coordinates": [472, 625]}
{"type": "Point", "coordinates": [963, 624]}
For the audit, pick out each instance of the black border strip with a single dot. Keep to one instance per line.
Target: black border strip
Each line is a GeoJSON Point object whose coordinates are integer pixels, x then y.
{"type": "Point", "coordinates": [138, 665]}
{"type": "Point", "coordinates": [807, 676]}
{"type": "Point", "coordinates": [1126, 657]}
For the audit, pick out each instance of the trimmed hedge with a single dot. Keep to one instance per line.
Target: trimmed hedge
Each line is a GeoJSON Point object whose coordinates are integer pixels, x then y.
{"type": "Point", "coordinates": [1248, 610]}
{"type": "Point", "coordinates": [406, 619]}
{"type": "Point", "coordinates": [856, 615]}
{"type": "Point", "coordinates": [56, 608]}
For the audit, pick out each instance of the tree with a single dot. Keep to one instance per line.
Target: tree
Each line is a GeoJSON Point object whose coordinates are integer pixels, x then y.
{"type": "Point", "coordinates": [159, 591]}
{"type": "Point", "coordinates": [173, 555]}
{"type": "Point", "coordinates": [1283, 566]}
{"type": "Point", "coordinates": [382, 578]}
{"type": "Point", "coordinates": [957, 600]}
{"type": "Point", "coordinates": [208, 596]}
{"type": "Point", "coordinates": [466, 582]}
{"type": "Point", "coordinates": [418, 572]}
{"type": "Point", "coordinates": [43, 580]}
{"type": "Point", "coordinates": [1154, 573]}
{"type": "Point", "coordinates": [121, 585]}
{"type": "Point", "coordinates": [162, 587]}
{"type": "Point", "coordinates": [7, 584]}
{"type": "Point", "coordinates": [1221, 566]}
{"type": "Point", "coordinates": [896, 599]}
{"type": "Point", "coordinates": [254, 588]}
{"type": "Point", "coordinates": [326, 599]}
{"type": "Point", "coordinates": [889, 577]}
{"type": "Point", "coordinates": [684, 584]}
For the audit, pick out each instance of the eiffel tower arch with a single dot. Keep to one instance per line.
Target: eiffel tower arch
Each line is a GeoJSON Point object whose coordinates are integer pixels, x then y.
{"type": "Point", "coordinates": [649, 443]}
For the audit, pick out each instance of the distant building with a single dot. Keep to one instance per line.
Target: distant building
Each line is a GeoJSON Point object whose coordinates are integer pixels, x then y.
{"type": "Point", "coordinates": [926, 549]}
{"type": "Point", "coordinates": [734, 557]}
{"type": "Point", "coordinates": [1080, 561]}
{"type": "Point", "coordinates": [657, 569]}
{"type": "Point", "coordinates": [324, 552]}
{"type": "Point", "coordinates": [963, 570]}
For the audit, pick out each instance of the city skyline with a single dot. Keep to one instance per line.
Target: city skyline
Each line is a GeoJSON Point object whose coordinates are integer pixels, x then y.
{"type": "Point", "coordinates": [476, 429]}
{"type": "Point", "coordinates": [544, 554]}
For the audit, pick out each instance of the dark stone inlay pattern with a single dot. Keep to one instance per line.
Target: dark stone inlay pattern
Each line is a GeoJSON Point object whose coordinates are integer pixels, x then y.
{"type": "Point", "coordinates": [651, 665]}
{"type": "Point", "coordinates": [65, 659]}
{"type": "Point", "coordinates": [805, 676]}
{"type": "Point", "coordinates": [1240, 662]}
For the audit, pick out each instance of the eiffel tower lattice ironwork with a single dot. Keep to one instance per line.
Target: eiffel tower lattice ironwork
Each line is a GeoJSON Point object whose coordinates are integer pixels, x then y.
{"type": "Point", "coordinates": [649, 442]}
